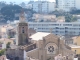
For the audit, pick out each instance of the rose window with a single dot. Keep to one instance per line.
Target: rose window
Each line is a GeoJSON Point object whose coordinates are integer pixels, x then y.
{"type": "Point", "coordinates": [51, 49]}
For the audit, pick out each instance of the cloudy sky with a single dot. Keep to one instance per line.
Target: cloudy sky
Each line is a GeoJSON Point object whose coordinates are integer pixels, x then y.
{"type": "Point", "coordinates": [19, 1]}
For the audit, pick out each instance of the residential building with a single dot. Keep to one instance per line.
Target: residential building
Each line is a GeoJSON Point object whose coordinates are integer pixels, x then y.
{"type": "Point", "coordinates": [77, 2]}
{"type": "Point", "coordinates": [3, 31]}
{"type": "Point", "coordinates": [44, 17]}
{"type": "Point", "coordinates": [66, 5]}
{"type": "Point", "coordinates": [5, 41]}
{"type": "Point", "coordinates": [76, 40]}
{"type": "Point", "coordinates": [16, 54]}
{"type": "Point", "coordinates": [75, 49]}
{"type": "Point", "coordinates": [11, 33]}
{"type": "Point", "coordinates": [68, 40]}
{"type": "Point", "coordinates": [56, 3]}
{"type": "Point", "coordinates": [58, 28]}
{"type": "Point", "coordinates": [43, 6]}
{"type": "Point", "coordinates": [65, 28]}
{"type": "Point", "coordinates": [29, 6]}
{"type": "Point", "coordinates": [2, 45]}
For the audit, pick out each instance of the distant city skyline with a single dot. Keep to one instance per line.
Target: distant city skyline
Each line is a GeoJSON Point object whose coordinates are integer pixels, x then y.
{"type": "Point", "coordinates": [19, 1]}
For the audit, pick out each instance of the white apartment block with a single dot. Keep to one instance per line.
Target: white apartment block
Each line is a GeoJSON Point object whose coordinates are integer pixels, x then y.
{"type": "Point", "coordinates": [65, 28]}
{"type": "Point", "coordinates": [66, 5]}
{"type": "Point", "coordinates": [43, 6]}
{"type": "Point", "coordinates": [58, 28]}
{"type": "Point", "coordinates": [77, 2]}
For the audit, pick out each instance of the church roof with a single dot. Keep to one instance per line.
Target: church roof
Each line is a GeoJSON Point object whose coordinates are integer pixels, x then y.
{"type": "Point", "coordinates": [39, 36]}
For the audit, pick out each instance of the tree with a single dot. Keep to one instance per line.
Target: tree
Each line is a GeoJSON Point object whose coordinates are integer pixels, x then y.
{"type": "Point", "coordinates": [8, 45]}
{"type": "Point", "coordinates": [2, 4]}
{"type": "Point", "coordinates": [9, 11]}
{"type": "Point", "coordinates": [70, 18]}
{"type": "Point", "coordinates": [23, 4]}
{"type": "Point", "coordinates": [2, 52]}
{"type": "Point", "coordinates": [58, 13]}
{"type": "Point", "coordinates": [74, 18]}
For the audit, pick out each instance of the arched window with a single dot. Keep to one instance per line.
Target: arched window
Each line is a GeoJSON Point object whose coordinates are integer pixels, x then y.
{"type": "Point", "coordinates": [23, 30]}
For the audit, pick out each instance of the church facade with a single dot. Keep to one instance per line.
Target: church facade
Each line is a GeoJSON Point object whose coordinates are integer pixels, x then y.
{"type": "Point", "coordinates": [48, 47]}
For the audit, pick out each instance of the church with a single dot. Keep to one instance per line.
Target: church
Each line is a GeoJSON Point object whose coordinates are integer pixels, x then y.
{"type": "Point", "coordinates": [39, 46]}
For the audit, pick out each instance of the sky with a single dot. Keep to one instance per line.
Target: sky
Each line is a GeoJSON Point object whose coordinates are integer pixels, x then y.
{"type": "Point", "coordinates": [19, 1]}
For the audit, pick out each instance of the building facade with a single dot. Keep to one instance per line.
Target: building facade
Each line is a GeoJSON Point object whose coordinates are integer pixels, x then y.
{"type": "Point", "coordinates": [43, 6]}
{"type": "Point", "coordinates": [75, 49]}
{"type": "Point", "coordinates": [77, 2]}
{"type": "Point", "coordinates": [76, 40]}
{"type": "Point", "coordinates": [48, 46]}
{"type": "Point", "coordinates": [15, 54]}
{"type": "Point", "coordinates": [65, 28]}
{"type": "Point", "coordinates": [58, 28]}
{"type": "Point", "coordinates": [66, 5]}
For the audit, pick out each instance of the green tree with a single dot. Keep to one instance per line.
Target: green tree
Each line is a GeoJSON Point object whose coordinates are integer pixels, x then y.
{"type": "Point", "coordinates": [74, 18]}
{"type": "Point", "coordinates": [70, 18]}
{"type": "Point", "coordinates": [2, 52]}
{"type": "Point", "coordinates": [9, 11]}
{"type": "Point", "coordinates": [8, 45]}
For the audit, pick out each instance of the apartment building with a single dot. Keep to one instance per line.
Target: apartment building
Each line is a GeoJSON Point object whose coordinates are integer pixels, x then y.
{"type": "Point", "coordinates": [65, 28]}
{"type": "Point", "coordinates": [77, 2]}
{"type": "Point", "coordinates": [66, 5]}
{"type": "Point", "coordinates": [58, 28]}
{"type": "Point", "coordinates": [43, 6]}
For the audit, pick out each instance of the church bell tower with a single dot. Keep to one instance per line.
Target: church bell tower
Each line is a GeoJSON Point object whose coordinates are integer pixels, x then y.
{"type": "Point", "coordinates": [22, 30]}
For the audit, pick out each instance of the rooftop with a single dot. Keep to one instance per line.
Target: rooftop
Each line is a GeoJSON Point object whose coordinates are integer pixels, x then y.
{"type": "Point", "coordinates": [5, 40]}
{"type": "Point", "coordinates": [39, 36]}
